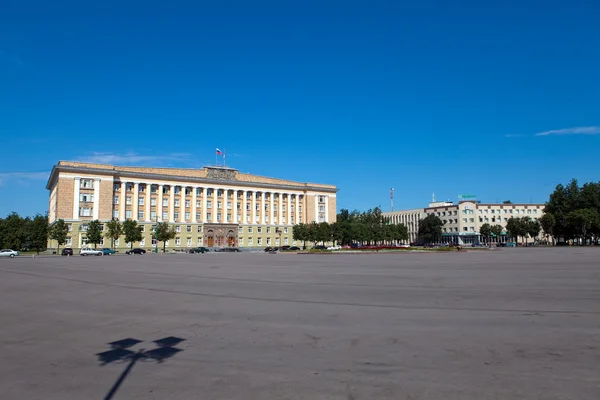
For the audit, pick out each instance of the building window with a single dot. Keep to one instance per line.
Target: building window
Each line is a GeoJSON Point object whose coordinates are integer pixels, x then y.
{"type": "Point", "coordinates": [299, 209]}
{"type": "Point", "coordinates": [188, 203]}
{"type": "Point", "coordinates": [68, 242]}
{"type": "Point", "coordinates": [322, 209]}
{"type": "Point", "coordinates": [176, 202]}
{"type": "Point", "coordinates": [240, 229]}
{"type": "Point", "coordinates": [187, 216]}
{"type": "Point", "coordinates": [128, 200]}
{"type": "Point", "coordinates": [83, 227]}
{"type": "Point", "coordinates": [209, 192]}
{"type": "Point", "coordinates": [140, 214]}
{"type": "Point", "coordinates": [189, 242]}
{"type": "Point", "coordinates": [268, 229]}
{"type": "Point", "coordinates": [177, 241]}
{"type": "Point", "coordinates": [209, 216]}
{"type": "Point", "coordinates": [115, 213]}
{"type": "Point", "coordinates": [177, 189]}
{"type": "Point", "coordinates": [141, 201]}
{"type": "Point", "coordinates": [86, 184]}
{"type": "Point", "coordinates": [241, 241]}
{"type": "Point", "coordinates": [268, 241]}
{"type": "Point", "coordinates": [143, 242]}
{"type": "Point", "coordinates": [250, 241]}
{"type": "Point", "coordinates": [117, 187]}
{"type": "Point", "coordinates": [188, 228]}
{"type": "Point", "coordinates": [285, 241]}
{"type": "Point", "coordinates": [153, 215]}
{"type": "Point", "coordinates": [259, 229]}
{"type": "Point", "coordinates": [116, 200]}
{"type": "Point", "coordinates": [198, 204]}
{"type": "Point", "coordinates": [198, 216]}
{"type": "Point", "coordinates": [86, 198]}
{"type": "Point", "coordinates": [165, 190]}
{"type": "Point", "coordinates": [178, 228]}
{"type": "Point", "coordinates": [257, 207]}
{"type": "Point", "coordinates": [321, 199]}
{"type": "Point", "coordinates": [229, 205]}
{"type": "Point", "coordinates": [128, 214]}
{"type": "Point", "coordinates": [165, 215]}
{"type": "Point", "coordinates": [198, 191]}
{"type": "Point", "coordinates": [152, 188]}
{"type": "Point", "coordinates": [249, 229]}
{"type": "Point", "coordinates": [228, 217]}
{"type": "Point", "coordinates": [219, 192]}
{"type": "Point", "coordinates": [153, 201]}
{"type": "Point", "coordinates": [219, 216]}
{"type": "Point", "coordinates": [199, 229]}
{"type": "Point", "coordinates": [176, 215]}
{"type": "Point", "coordinates": [208, 204]}
{"type": "Point", "coordinates": [219, 205]}
{"type": "Point", "coordinates": [259, 241]}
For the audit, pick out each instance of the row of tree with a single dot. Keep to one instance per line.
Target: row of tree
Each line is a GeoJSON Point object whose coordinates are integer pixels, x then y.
{"type": "Point", "coordinates": [573, 213]}
{"type": "Point", "coordinates": [369, 227]}
{"type": "Point", "coordinates": [26, 233]}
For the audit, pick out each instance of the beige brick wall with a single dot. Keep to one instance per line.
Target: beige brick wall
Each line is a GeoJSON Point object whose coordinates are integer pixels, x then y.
{"type": "Point", "coordinates": [105, 200]}
{"type": "Point", "coordinates": [64, 208]}
{"type": "Point", "coordinates": [309, 206]}
{"type": "Point", "coordinates": [331, 209]}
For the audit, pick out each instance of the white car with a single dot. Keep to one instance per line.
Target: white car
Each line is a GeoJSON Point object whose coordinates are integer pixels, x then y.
{"type": "Point", "coordinates": [334, 248]}
{"type": "Point", "coordinates": [8, 253]}
{"type": "Point", "coordinates": [90, 252]}
{"type": "Point", "coordinates": [404, 246]}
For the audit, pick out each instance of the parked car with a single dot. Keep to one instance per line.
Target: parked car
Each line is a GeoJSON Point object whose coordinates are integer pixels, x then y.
{"type": "Point", "coordinates": [135, 251]}
{"type": "Point", "coordinates": [285, 248]}
{"type": "Point", "coordinates": [230, 250]}
{"type": "Point", "coordinates": [197, 250]}
{"type": "Point", "coordinates": [294, 248]}
{"type": "Point", "coordinates": [67, 251]}
{"type": "Point", "coordinates": [107, 252]}
{"type": "Point", "coordinates": [334, 248]}
{"type": "Point", "coordinates": [8, 253]}
{"type": "Point", "coordinates": [500, 244]}
{"type": "Point", "coordinates": [320, 247]}
{"type": "Point", "coordinates": [270, 249]}
{"type": "Point", "coordinates": [404, 246]}
{"type": "Point", "coordinates": [86, 251]}
{"type": "Point", "coordinates": [477, 245]}
{"type": "Point", "coordinates": [511, 244]}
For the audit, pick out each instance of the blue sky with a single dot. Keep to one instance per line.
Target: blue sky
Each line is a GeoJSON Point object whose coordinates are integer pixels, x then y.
{"type": "Point", "coordinates": [428, 96]}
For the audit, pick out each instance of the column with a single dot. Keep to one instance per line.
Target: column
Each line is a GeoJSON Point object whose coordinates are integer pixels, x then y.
{"type": "Point", "coordinates": [326, 208]}
{"type": "Point", "coordinates": [147, 198]}
{"type": "Point", "coordinates": [262, 208]}
{"type": "Point", "coordinates": [135, 201]}
{"type": "Point", "coordinates": [244, 202]}
{"type": "Point", "coordinates": [194, 199]}
{"type": "Point", "coordinates": [77, 184]}
{"type": "Point", "coordinates": [317, 208]}
{"type": "Point", "coordinates": [159, 203]}
{"type": "Point", "coordinates": [171, 203]}
{"type": "Point", "coordinates": [215, 197]}
{"type": "Point", "coordinates": [297, 211]}
{"type": "Point", "coordinates": [253, 209]}
{"type": "Point", "coordinates": [182, 205]}
{"type": "Point", "coordinates": [204, 209]}
{"type": "Point", "coordinates": [234, 207]}
{"type": "Point", "coordinates": [123, 201]}
{"type": "Point", "coordinates": [96, 198]}
{"type": "Point", "coordinates": [288, 205]}
{"type": "Point", "coordinates": [281, 203]}
{"type": "Point", "coordinates": [272, 212]}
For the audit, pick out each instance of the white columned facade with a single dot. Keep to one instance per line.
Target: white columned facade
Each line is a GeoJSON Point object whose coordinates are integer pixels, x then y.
{"type": "Point", "coordinates": [159, 201]}
{"type": "Point", "coordinates": [316, 208]}
{"type": "Point", "coordinates": [204, 209]}
{"type": "Point", "coordinates": [215, 199]}
{"type": "Point", "coordinates": [297, 210]}
{"type": "Point", "coordinates": [147, 200]}
{"type": "Point", "coordinates": [244, 211]}
{"type": "Point", "coordinates": [281, 211]}
{"type": "Point", "coordinates": [96, 198]}
{"type": "Point", "coordinates": [288, 205]}
{"type": "Point", "coordinates": [262, 208]}
{"type": "Point", "coordinates": [171, 203]}
{"type": "Point", "coordinates": [182, 204]}
{"type": "Point", "coordinates": [194, 200]}
{"type": "Point", "coordinates": [77, 185]}
{"type": "Point", "coordinates": [253, 211]}
{"type": "Point", "coordinates": [272, 220]}
{"type": "Point", "coordinates": [326, 208]}
{"type": "Point", "coordinates": [134, 201]}
{"type": "Point", "coordinates": [123, 201]}
{"type": "Point", "coordinates": [234, 206]}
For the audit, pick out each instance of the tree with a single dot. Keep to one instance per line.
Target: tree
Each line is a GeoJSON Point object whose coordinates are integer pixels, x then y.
{"type": "Point", "coordinates": [430, 229]}
{"type": "Point", "coordinates": [94, 233]}
{"type": "Point", "coordinates": [300, 232]}
{"type": "Point", "coordinates": [13, 231]}
{"type": "Point", "coordinates": [400, 232]}
{"type": "Point", "coordinates": [582, 222]}
{"type": "Point", "coordinates": [485, 230]}
{"type": "Point", "coordinates": [547, 221]}
{"type": "Point", "coordinates": [324, 232]}
{"type": "Point", "coordinates": [507, 202]}
{"type": "Point", "coordinates": [164, 232]}
{"type": "Point", "coordinates": [497, 230]}
{"type": "Point", "coordinates": [515, 228]}
{"type": "Point", "coordinates": [132, 232]}
{"type": "Point", "coordinates": [37, 233]}
{"type": "Point", "coordinates": [59, 232]}
{"type": "Point", "coordinates": [532, 228]}
{"type": "Point", "coordinates": [114, 230]}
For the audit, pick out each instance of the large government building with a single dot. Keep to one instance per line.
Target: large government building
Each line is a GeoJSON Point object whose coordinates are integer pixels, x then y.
{"type": "Point", "coordinates": [463, 220]}
{"type": "Point", "coordinates": [212, 206]}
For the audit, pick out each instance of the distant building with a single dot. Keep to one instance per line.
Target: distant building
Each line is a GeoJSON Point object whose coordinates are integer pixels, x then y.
{"type": "Point", "coordinates": [211, 206]}
{"type": "Point", "coordinates": [463, 220]}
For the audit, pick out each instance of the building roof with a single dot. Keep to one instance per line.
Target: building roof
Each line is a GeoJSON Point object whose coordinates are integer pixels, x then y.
{"type": "Point", "coordinates": [206, 175]}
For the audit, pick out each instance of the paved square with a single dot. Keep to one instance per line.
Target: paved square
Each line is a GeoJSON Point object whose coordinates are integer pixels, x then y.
{"type": "Point", "coordinates": [506, 324]}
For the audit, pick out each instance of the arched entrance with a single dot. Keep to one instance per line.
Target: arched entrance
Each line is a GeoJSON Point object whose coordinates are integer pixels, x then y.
{"type": "Point", "coordinates": [209, 238]}
{"type": "Point", "coordinates": [221, 235]}
{"type": "Point", "coordinates": [231, 238]}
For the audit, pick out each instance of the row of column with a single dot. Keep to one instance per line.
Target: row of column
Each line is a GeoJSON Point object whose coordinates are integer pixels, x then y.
{"type": "Point", "coordinates": [214, 209]}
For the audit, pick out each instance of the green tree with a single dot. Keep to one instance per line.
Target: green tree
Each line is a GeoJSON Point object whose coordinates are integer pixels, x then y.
{"type": "Point", "coordinates": [312, 232]}
{"type": "Point", "coordinates": [300, 232]}
{"type": "Point", "coordinates": [515, 228]}
{"type": "Point", "coordinates": [13, 232]}
{"type": "Point", "coordinates": [37, 233]}
{"type": "Point", "coordinates": [497, 231]}
{"type": "Point", "coordinates": [507, 202]}
{"type": "Point", "coordinates": [324, 233]}
{"type": "Point", "coordinates": [132, 232]}
{"type": "Point", "coordinates": [114, 230]}
{"type": "Point", "coordinates": [400, 232]}
{"type": "Point", "coordinates": [547, 221]}
{"type": "Point", "coordinates": [532, 228]}
{"type": "Point", "coordinates": [430, 229]}
{"type": "Point", "coordinates": [485, 230]}
{"type": "Point", "coordinates": [164, 232]}
{"type": "Point", "coordinates": [94, 233]}
{"type": "Point", "coordinates": [582, 221]}
{"type": "Point", "coordinates": [59, 231]}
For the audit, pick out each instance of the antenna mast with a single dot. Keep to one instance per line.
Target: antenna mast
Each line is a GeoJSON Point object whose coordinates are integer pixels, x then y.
{"type": "Point", "coordinates": [392, 198]}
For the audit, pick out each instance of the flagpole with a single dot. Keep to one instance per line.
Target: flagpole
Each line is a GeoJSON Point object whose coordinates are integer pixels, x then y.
{"type": "Point", "coordinates": [224, 155]}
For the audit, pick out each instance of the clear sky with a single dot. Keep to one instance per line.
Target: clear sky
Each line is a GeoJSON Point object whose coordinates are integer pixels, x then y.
{"type": "Point", "coordinates": [495, 98]}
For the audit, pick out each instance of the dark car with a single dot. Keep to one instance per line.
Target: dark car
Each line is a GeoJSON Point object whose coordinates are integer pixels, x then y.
{"type": "Point", "coordinates": [67, 252]}
{"type": "Point", "coordinates": [107, 252]}
{"type": "Point", "coordinates": [285, 248]}
{"type": "Point", "coordinates": [199, 250]}
{"type": "Point", "coordinates": [270, 249]}
{"type": "Point", "coordinates": [230, 250]}
{"type": "Point", "coordinates": [135, 251]}
{"type": "Point", "coordinates": [320, 247]}
{"type": "Point", "coordinates": [294, 248]}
